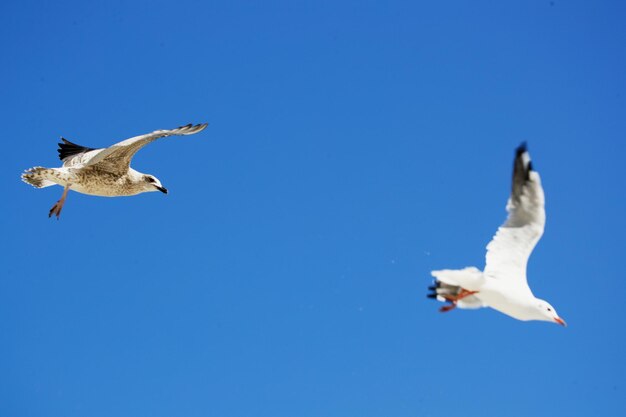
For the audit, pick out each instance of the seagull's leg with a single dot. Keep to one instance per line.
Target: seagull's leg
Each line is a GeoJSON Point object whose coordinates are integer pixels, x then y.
{"type": "Point", "coordinates": [461, 295]}
{"type": "Point", "coordinates": [455, 298]}
{"type": "Point", "coordinates": [58, 206]}
{"type": "Point", "coordinates": [464, 293]}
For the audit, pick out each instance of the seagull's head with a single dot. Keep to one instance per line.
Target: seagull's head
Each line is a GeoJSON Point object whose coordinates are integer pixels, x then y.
{"type": "Point", "coordinates": [548, 313]}
{"type": "Point", "coordinates": [152, 183]}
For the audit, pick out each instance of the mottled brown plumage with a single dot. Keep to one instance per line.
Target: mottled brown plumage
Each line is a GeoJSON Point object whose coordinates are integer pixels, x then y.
{"type": "Point", "coordinates": [103, 172]}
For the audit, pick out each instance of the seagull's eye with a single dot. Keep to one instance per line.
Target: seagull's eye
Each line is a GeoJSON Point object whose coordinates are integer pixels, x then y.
{"type": "Point", "coordinates": [549, 309]}
{"type": "Point", "coordinates": [150, 179]}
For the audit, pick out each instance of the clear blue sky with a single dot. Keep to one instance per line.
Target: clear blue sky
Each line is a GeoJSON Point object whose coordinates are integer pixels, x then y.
{"type": "Point", "coordinates": [353, 146]}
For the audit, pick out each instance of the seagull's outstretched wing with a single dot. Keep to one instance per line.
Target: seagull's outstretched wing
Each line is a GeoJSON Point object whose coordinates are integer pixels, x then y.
{"type": "Point", "coordinates": [117, 157]}
{"type": "Point", "coordinates": [510, 248]}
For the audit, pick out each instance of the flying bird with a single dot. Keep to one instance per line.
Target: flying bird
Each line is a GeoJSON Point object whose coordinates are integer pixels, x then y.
{"type": "Point", "coordinates": [503, 285]}
{"type": "Point", "coordinates": [103, 172]}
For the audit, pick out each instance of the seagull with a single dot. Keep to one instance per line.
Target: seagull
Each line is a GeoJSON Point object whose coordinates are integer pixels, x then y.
{"type": "Point", "coordinates": [103, 172]}
{"type": "Point", "coordinates": [503, 285]}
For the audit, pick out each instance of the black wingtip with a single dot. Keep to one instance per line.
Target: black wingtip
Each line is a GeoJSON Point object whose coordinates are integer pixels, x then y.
{"type": "Point", "coordinates": [521, 170]}
{"type": "Point", "coordinates": [433, 295]}
{"type": "Point", "coordinates": [67, 149]}
{"type": "Point", "coordinates": [521, 150]}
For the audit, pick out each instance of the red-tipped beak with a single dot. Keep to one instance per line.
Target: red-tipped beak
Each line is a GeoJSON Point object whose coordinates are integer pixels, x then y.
{"type": "Point", "coordinates": [560, 321]}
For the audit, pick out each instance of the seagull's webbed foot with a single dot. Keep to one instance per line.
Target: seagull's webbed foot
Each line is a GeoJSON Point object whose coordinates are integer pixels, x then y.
{"type": "Point", "coordinates": [56, 209]}
{"type": "Point", "coordinates": [58, 206]}
{"type": "Point", "coordinates": [448, 307]}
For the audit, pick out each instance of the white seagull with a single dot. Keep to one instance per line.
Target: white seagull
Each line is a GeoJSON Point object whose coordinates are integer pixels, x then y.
{"type": "Point", "coordinates": [503, 285]}
{"type": "Point", "coordinates": [104, 172]}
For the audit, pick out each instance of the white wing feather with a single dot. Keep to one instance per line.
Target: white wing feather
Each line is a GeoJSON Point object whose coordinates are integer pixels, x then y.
{"type": "Point", "coordinates": [81, 158]}
{"type": "Point", "coordinates": [509, 250]}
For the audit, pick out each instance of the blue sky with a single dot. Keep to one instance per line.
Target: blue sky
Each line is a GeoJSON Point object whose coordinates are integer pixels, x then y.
{"type": "Point", "coordinates": [352, 147]}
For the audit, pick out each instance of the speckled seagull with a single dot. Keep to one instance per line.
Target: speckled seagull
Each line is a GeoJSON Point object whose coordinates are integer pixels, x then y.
{"type": "Point", "coordinates": [503, 285]}
{"type": "Point", "coordinates": [104, 172]}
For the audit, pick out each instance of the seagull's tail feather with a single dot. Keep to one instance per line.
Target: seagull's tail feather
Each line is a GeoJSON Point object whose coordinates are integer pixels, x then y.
{"type": "Point", "coordinates": [37, 177]}
{"type": "Point", "coordinates": [450, 283]}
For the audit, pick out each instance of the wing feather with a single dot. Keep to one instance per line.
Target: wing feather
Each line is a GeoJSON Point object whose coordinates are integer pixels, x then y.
{"type": "Point", "coordinates": [117, 158]}
{"type": "Point", "coordinates": [72, 154]}
{"type": "Point", "coordinates": [509, 250]}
